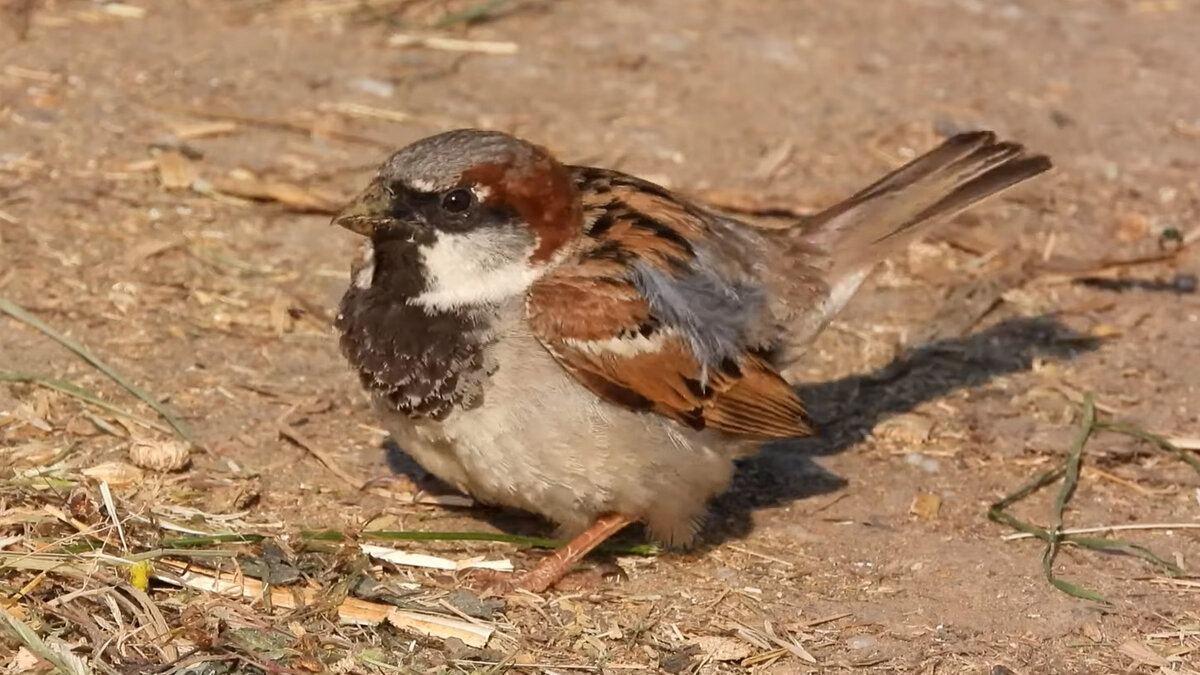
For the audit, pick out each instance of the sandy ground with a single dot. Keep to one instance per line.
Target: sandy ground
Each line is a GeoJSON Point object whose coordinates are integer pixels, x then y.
{"type": "Point", "coordinates": [131, 135]}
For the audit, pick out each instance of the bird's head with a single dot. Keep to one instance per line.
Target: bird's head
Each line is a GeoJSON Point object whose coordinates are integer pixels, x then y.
{"type": "Point", "coordinates": [485, 212]}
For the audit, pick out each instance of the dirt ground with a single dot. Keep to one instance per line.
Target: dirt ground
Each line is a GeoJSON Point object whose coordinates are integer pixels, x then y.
{"type": "Point", "coordinates": [166, 172]}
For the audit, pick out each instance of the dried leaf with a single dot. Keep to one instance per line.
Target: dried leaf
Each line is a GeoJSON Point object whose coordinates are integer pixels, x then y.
{"type": "Point", "coordinates": [116, 474]}
{"type": "Point", "coordinates": [925, 506]}
{"type": "Point", "coordinates": [23, 662]}
{"type": "Point", "coordinates": [1092, 631]}
{"type": "Point", "coordinates": [907, 428]}
{"type": "Point", "coordinates": [774, 160]}
{"type": "Point", "coordinates": [722, 648]}
{"type": "Point", "coordinates": [1131, 227]}
{"type": "Point", "coordinates": [175, 171]}
{"type": "Point", "coordinates": [1142, 654]}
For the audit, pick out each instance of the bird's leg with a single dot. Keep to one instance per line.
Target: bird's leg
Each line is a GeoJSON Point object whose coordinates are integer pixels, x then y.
{"type": "Point", "coordinates": [550, 570]}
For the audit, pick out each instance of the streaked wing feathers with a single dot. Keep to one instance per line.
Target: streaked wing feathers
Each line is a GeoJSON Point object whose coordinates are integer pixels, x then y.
{"type": "Point", "coordinates": [593, 317]}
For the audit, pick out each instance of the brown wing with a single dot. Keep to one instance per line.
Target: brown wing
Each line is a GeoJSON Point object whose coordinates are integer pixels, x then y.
{"type": "Point", "coordinates": [639, 321]}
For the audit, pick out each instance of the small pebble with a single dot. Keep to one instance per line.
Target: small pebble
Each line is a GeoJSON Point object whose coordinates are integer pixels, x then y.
{"type": "Point", "coordinates": [372, 86]}
{"type": "Point", "coordinates": [1061, 119]}
{"type": "Point", "coordinates": [470, 604]}
{"type": "Point", "coordinates": [860, 642]}
{"type": "Point", "coordinates": [1186, 283]}
{"type": "Point", "coordinates": [160, 455]}
{"type": "Point", "coordinates": [923, 462]}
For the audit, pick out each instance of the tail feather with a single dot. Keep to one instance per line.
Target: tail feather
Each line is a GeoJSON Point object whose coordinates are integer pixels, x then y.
{"type": "Point", "coordinates": [891, 213]}
{"type": "Point", "coordinates": [886, 216]}
{"type": "Point", "coordinates": [995, 181]}
{"type": "Point", "coordinates": [950, 151]}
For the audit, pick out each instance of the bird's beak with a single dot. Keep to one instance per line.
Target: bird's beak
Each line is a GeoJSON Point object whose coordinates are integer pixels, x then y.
{"type": "Point", "coordinates": [365, 211]}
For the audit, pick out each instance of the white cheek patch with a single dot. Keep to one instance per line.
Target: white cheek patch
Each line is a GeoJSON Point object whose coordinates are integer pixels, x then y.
{"type": "Point", "coordinates": [472, 269]}
{"type": "Point", "coordinates": [364, 272]}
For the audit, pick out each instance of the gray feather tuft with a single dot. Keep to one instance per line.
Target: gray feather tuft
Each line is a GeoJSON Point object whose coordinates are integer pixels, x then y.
{"type": "Point", "coordinates": [710, 312]}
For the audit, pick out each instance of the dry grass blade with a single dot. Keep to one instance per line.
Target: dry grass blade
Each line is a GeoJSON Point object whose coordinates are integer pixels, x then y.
{"type": "Point", "coordinates": [82, 394]}
{"type": "Point", "coordinates": [1169, 581]}
{"type": "Point", "coordinates": [152, 617]}
{"type": "Point", "coordinates": [325, 458]}
{"type": "Point", "coordinates": [368, 111]}
{"type": "Point", "coordinates": [506, 665]}
{"type": "Point", "coordinates": [291, 196]}
{"type": "Point", "coordinates": [1066, 270]}
{"type": "Point", "coordinates": [111, 507]}
{"type": "Point", "coordinates": [281, 125]}
{"type": "Point", "coordinates": [1183, 443]}
{"type": "Point", "coordinates": [446, 44]}
{"type": "Point", "coordinates": [62, 660]}
{"type": "Point", "coordinates": [790, 644]}
{"type": "Point", "coordinates": [828, 619]}
{"type": "Point", "coordinates": [397, 557]}
{"type": "Point", "coordinates": [1112, 528]}
{"type": "Point", "coordinates": [350, 610]}
{"type": "Point", "coordinates": [20, 314]}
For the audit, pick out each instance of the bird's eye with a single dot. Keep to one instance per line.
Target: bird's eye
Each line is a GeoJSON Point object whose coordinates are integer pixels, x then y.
{"type": "Point", "coordinates": [459, 200]}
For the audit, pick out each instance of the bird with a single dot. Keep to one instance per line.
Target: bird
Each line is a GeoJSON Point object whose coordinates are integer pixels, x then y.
{"type": "Point", "coordinates": [594, 348]}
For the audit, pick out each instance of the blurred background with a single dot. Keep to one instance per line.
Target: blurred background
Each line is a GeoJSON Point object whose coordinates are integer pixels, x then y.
{"type": "Point", "coordinates": [167, 171]}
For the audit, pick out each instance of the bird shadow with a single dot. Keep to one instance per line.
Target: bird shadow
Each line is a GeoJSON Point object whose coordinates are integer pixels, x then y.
{"type": "Point", "coordinates": [846, 410]}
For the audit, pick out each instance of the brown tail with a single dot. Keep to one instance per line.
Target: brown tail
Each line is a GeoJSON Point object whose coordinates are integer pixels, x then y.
{"type": "Point", "coordinates": [883, 218]}
{"type": "Point", "coordinates": [886, 216]}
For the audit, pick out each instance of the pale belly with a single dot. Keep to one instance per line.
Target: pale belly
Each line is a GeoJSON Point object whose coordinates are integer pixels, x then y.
{"type": "Point", "coordinates": [543, 443]}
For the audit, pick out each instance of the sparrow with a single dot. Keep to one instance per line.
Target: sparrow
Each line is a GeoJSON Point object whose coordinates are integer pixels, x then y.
{"type": "Point", "coordinates": [597, 349]}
